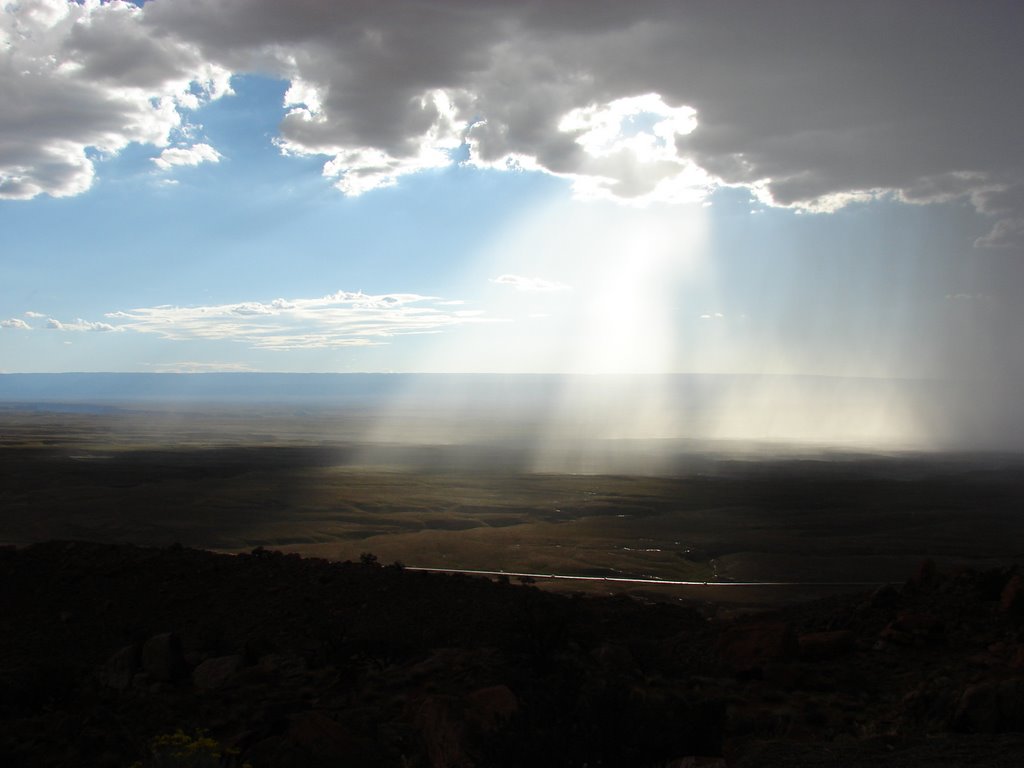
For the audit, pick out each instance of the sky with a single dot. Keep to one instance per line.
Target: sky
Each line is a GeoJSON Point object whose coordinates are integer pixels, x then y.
{"type": "Point", "coordinates": [781, 187]}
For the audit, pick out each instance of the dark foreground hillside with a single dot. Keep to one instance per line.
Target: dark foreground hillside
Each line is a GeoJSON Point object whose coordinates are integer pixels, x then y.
{"type": "Point", "coordinates": [284, 661]}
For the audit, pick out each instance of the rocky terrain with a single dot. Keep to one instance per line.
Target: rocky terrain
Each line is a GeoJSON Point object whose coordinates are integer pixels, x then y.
{"type": "Point", "coordinates": [266, 659]}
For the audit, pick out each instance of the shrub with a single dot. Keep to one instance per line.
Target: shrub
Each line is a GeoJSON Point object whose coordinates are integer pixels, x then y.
{"type": "Point", "coordinates": [368, 558]}
{"type": "Point", "coordinates": [179, 750]}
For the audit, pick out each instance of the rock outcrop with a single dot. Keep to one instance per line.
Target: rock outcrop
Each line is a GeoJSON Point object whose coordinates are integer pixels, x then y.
{"type": "Point", "coordinates": [277, 660]}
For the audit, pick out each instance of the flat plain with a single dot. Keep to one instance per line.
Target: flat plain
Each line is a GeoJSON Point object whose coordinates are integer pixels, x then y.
{"type": "Point", "coordinates": [312, 482]}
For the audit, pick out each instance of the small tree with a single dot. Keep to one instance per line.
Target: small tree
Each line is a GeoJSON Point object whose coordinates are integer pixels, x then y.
{"type": "Point", "coordinates": [370, 559]}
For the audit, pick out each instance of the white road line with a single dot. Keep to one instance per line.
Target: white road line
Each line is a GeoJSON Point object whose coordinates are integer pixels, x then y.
{"type": "Point", "coordinates": [660, 582]}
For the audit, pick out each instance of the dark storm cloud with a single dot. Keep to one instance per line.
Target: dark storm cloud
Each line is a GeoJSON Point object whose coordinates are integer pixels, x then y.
{"type": "Point", "coordinates": [810, 104]}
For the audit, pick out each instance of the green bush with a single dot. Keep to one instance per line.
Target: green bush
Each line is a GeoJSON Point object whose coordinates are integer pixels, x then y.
{"type": "Point", "coordinates": [179, 750]}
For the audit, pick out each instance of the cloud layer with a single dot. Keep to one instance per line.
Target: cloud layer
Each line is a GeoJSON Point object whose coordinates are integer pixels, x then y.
{"type": "Point", "coordinates": [80, 325]}
{"type": "Point", "coordinates": [341, 319]}
{"type": "Point", "coordinates": [808, 104]}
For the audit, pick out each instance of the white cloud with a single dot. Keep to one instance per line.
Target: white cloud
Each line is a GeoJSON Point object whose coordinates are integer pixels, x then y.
{"type": "Point", "coordinates": [80, 325]}
{"type": "Point", "coordinates": [30, 313]}
{"type": "Point", "coordinates": [194, 155]}
{"type": "Point", "coordinates": [77, 79]}
{"type": "Point", "coordinates": [631, 153]}
{"type": "Point", "coordinates": [342, 319]}
{"type": "Point", "coordinates": [15, 322]}
{"type": "Point", "coordinates": [198, 367]}
{"type": "Point", "coordinates": [532, 284]}
{"type": "Point", "coordinates": [639, 102]}
{"type": "Point", "coordinates": [359, 169]}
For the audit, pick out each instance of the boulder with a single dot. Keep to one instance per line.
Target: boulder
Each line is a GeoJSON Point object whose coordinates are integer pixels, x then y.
{"type": "Point", "coordinates": [817, 646]}
{"type": "Point", "coordinates": [747, 646]}
{"type": "Point", "coordinates": [882, 599]}
{"type": "Point", "coordinates": [995, 706]}
{"type": "Point", "coordinates": [214, 673]}
{"type": "Point", "coordinates": [288, 669]}
{"type": "Point", "coordinates": [913, 628]}
{"type": "Point", "coordinates": [162, 658]}
{"type": "Point", "coordinates": [918, 621]}
{"type": "Point", "coordinates": [614, 657]}
{"type": "Point", "coordinates": [443, 732]}
{"type": "Point", "coordinates": [926, 574]}
{"type": "Point", "coordinates": [324, 737]}
{"type": "Point", "coordinates": [989, 584]}
{"type": "Point", "coordinates": [931, 703]}
{"type": "Point", "coordinates": [1017, 658]}
{"type": "Point", "coordinates": [489, 708]}
{"type": "Point", "coordinates": [1012, 598]}
{"type": "Point", "coordinates": [120, 669]}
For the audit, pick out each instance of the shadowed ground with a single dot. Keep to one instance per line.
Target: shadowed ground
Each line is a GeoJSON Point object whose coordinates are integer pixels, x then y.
{"type": "Point", "coordinates": [232, 480]}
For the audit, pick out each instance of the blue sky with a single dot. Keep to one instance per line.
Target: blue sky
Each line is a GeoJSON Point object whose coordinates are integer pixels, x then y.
{"type": "Point", "coordinates": [199, 186]}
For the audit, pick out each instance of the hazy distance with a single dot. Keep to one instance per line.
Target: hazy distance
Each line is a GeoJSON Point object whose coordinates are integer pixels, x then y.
{"type": "Point", "coordinates": [570, 422]}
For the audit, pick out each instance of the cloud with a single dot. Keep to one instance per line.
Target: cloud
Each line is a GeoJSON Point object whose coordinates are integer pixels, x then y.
{"type": "Point", "coordinates": [194, 155]}
{"type": "Point", "coordinates": [808, 105]}
{"type": "Point", "coordinates": [1005, 233]}
{"type": "Point", "coordinates": [79, 81]}
{"type": "Point", "coordinates": [1006, 204]}
{"type": "Point", "coordinates": [30, 313]}
{"type": "Point", "coordinates": [80, 325]}
{"type": "Point", "coordinates": [197, 367]}
{"type": "Point", "coordinates": [533, 284]}
{"type": "Point", "coordinates": [337, 320]}
{"type": "Point", "coordinates": [15, 322]}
